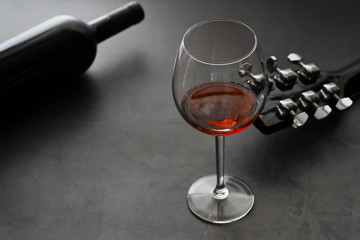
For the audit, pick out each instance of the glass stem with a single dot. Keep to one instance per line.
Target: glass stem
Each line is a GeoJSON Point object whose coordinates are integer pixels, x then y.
{"type": "Point", "coordinates": [220, 191]}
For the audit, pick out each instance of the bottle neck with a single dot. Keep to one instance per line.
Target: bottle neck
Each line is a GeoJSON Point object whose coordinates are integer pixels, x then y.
{"type": "Point", "coordinates": [116, 21]}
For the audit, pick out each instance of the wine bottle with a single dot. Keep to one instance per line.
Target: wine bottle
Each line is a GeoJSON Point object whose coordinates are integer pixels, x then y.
{"type": "Point", "coordinates": [59, 48]}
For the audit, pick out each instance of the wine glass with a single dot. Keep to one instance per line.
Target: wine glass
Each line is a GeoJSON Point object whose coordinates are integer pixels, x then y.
{"type": "Point", "coordinates": [219, 87]}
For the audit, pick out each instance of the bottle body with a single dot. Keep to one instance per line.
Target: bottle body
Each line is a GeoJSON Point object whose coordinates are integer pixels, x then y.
{"type": "Point", "coordinates": [57, 50]}
{"type": "Point", "coordinates": [59, 47]}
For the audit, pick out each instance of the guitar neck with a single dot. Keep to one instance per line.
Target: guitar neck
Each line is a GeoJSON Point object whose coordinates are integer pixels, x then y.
{"type": "Point", "coordinates": [350, 77]}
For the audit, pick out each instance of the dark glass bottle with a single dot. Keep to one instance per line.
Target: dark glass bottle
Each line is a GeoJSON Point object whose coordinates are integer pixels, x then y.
{"type": "Point", "coordinates": [59, 48]}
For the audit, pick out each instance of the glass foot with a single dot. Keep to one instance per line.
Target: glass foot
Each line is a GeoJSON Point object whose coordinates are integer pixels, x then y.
{"type": "Point", "coordinates": [203, 204]}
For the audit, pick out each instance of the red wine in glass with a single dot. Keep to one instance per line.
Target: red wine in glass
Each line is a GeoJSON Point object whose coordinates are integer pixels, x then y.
{"type": "Point", "coordinates": [219, 108]}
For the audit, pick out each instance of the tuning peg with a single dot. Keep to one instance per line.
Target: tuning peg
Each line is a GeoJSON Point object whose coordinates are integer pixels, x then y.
{"type": "Point", "coordinates": [257, 81]}
{"type": "Point", "coordinates": [285, 78]}
{"type": "Point", "coordinates": [308, 72]}
{"type": "Point", "coordinates": [331, 90]}
{"type": "Point", "coordinates": [310, 98]}
{"type": "Point", "coordinates": [287, 107]}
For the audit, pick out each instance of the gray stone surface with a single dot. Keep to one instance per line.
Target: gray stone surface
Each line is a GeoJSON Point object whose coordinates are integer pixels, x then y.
{"type": "Point", "coordinates": [113, 159]}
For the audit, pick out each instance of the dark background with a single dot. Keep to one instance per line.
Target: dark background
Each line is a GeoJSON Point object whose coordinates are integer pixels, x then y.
{"type": "Point", "coordinates": [111, 158]}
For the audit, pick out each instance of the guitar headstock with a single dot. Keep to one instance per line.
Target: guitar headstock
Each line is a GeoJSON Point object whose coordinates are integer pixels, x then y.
{"type": "Point", "coordinates": [306, 92]}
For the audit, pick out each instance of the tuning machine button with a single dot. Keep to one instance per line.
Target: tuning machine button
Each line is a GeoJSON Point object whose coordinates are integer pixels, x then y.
{"type": "Point", "coordinates": [311, 99]}
{"type": "Point", "coordinates": [285, 78]}
{"type": "Point", "coordinates": [287, 108]}
{"type": "Point", "coordinates": [308, 73]}
{"type": "Point", "coordinates": [331, 90]}
{"type": "Point", "coordinates": [257, 81]}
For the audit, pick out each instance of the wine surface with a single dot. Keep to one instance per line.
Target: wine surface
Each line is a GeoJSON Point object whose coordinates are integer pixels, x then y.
{"type": "Point", "coordinates": [219, 108]}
